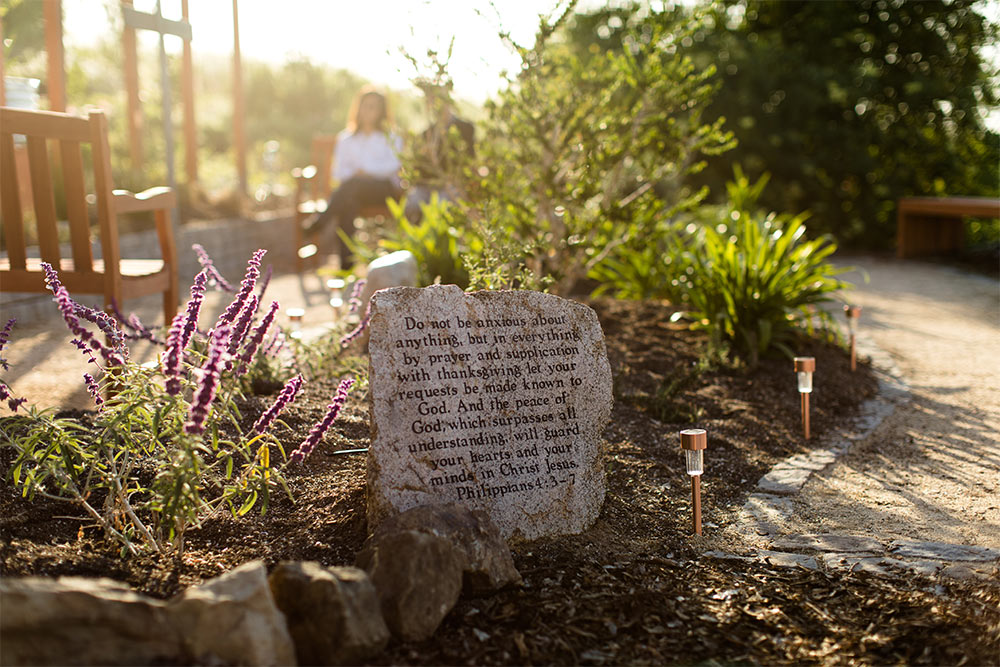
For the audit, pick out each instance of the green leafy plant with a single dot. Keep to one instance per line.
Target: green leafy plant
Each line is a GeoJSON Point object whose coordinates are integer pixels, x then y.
{"type": "Point", "coordinates": [754, 279]}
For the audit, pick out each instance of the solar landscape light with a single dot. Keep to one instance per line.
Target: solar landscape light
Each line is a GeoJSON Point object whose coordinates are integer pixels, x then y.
{"type": "Point", "coordinates": [693, 442]}
{"type": "Point", "coordinates": [295, 316]}
{"type": "Point", "coordinates": [853, 313]}
{"type": "Point", "coordinates": [804, 369]}
{"type": "Point", "coordinates": [336, 288]}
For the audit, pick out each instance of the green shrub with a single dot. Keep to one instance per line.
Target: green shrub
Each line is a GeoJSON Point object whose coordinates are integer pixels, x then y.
{"type": "Point", "coordinates": [754, 279]}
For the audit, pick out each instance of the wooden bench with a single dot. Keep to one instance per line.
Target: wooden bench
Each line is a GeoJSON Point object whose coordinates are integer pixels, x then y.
{"type": "Point", "coordinates": [313, 186]}
{"type": "Point", "coordinates": [929, 225]}
{"type": "Point", "coordinates": [55, 143]}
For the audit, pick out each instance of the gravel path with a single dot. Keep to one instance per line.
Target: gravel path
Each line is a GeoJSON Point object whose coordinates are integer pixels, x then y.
{"type": "Point", "coordinates": [931, 470]}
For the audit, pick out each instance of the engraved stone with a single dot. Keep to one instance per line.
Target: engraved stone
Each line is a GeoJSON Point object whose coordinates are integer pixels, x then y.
{"type": "Point", "coordinates": [496, 400]}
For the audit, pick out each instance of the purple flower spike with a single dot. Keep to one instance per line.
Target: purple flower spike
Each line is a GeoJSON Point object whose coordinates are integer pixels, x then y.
{"type": "Point", "coordinates": [84, 339]}
{"type": "Point", "coordinates": [362, 325]}
{"type": "Point", "coordinates": [173, 356]}
{"type": "Point", "coordinates": [257, 338]}
{"type": "Point", "coordinates": [246, 287]}
{"type": "Point", "coordinates": [193, 308]}
{"type": "Point", "coordinates": [355, 301]}
{"type": "Point", "coordinates": [287, 395]}
{"type": "Point", "coordinates": [106, 324]}
{"type": "Point", "coordinates": [209, 383]}
{"type": "Point", "coordinates": [94, 389]}
{"type": "Point", "coordinates": [317, 431]}
{"type": "Point", "coordinates": [5, 395]}
{"type": "Point", "coordinates": [243, 324]}
{"type": "Point", "coordinates": [139, 331]}
{"type": "Point", "coordinates": [4, 337]}
{"type": "Point", "coordinates": [209, 268]}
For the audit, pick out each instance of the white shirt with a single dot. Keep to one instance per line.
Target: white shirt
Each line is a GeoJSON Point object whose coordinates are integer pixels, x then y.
{"type": "Point", "coordinates": [376, 154]}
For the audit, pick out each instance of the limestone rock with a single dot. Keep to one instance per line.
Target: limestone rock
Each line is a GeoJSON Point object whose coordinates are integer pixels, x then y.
{"type": "Point", "coordinates": [397, 269]}
{"type": "Point", "coordinates": [496, 400]}
{"type": "Point", "coordinates": [233, 618]}
{"type": "Point", "coordinates": [79, 621]}
{"type": "Point", "coordinates": [488, 565]}
{"type": "Point", "coordinates": [417, 577]}
{"type": "Point", "coordinates": [333, 613]}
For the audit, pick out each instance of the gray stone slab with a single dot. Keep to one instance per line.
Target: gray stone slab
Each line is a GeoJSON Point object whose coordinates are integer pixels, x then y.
{"type": "Point", "coordinates": [785, 559]}
{"type": "Point", "coordinates": [880, 565]}
{"type": "Point", "coordinates": [943, 551]}
{"type": "Point", "coordinates": [829, 542]}
{"type": "Point", "coordinates": [496, 400]}
{"type": "Point", "coordinates": [784, 481]}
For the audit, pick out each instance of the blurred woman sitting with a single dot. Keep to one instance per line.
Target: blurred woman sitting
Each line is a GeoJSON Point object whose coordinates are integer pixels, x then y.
{"type": "Point", "coordinates": [365, 164]}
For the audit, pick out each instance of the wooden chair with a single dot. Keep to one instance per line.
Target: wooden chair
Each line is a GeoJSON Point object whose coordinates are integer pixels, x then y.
{"type": "Point", "coordinates": [116, 278]}
{"type": "Point", "coordinates": [313, 185]}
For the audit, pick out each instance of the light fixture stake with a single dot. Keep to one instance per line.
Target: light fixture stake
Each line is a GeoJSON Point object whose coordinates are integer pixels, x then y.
{"type": "Point", "coordinates": [853, 313]}
{"type": "Point", "coordinates": [804, 368]}
{"type": "Point", "coordinates": [694, 440]}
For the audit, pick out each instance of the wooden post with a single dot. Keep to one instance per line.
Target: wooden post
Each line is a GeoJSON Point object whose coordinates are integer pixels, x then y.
{"type": "Point", "coordinates": [133, 105]}
{"type": "Point", "coordinates": [696, 499]}
{"type": "Point", "coordinates": [805, 414]}
{"type": "Point", "coordinates": [239, 134]}
{"type": "Point", "coordinates": [187, 94]}
{"type": "Point", "coordinates": [3, 81]}
{"type": "Point", "coordinates": [52, 11]}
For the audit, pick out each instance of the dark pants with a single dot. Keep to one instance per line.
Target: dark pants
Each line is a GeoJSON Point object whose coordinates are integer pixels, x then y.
{"type": "Point", "coordinates": [346, 203]}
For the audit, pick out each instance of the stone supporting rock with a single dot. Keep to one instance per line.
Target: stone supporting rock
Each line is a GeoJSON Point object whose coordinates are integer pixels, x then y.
{"type": "Point", "coordinates": [333, 613]}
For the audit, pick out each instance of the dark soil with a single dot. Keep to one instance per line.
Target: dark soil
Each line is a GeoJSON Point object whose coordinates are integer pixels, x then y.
{"type": "Point", "coordinates": [633, 588]}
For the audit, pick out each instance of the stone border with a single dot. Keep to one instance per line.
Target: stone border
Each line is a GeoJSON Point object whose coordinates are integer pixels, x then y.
{"type": "Point", "coordinates": [772, 503]}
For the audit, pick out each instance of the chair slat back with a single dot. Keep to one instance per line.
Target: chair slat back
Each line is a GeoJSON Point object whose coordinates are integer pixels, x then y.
{"type": "Point", "coordinates": [55, 145]}
{"type": "Point", "coordinates": [321, 155]}
{"type": "Point", "coordinates": [10, 202]}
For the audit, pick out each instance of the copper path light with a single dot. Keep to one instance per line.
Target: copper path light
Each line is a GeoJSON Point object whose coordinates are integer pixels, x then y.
{"type": "Point", "coordinates": [693, 441]}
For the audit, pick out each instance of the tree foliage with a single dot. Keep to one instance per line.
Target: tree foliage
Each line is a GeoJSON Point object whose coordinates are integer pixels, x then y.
{"type": "Point", "coordinates": [851, 105]}
{"type": "Point", "coordinates": [585, 150]}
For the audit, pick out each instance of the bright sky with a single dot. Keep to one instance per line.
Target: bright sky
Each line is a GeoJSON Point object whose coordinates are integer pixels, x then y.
{"type": "Point", "coordinates": [364, 36]}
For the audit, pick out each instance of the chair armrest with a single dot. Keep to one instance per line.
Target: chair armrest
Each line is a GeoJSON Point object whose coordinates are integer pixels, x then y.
{"type": "Point", "coordinates": [152, 199]}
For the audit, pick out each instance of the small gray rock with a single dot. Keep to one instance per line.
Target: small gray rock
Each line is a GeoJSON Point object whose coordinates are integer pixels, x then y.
{"type": "Point", "coordinates": [783, 480]}
{"type": "Point", "coordinates": [417, 577]}
{"type": "Point", "coordinates": [488, 565]}
{"type": "Point", "coordinates": [333, 613]}
{"type": "Point", "coordinates": [233, 618]}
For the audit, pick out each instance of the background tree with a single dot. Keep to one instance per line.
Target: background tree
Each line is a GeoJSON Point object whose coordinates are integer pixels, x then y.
{"type": "Point", "coordinates": [851, 105]}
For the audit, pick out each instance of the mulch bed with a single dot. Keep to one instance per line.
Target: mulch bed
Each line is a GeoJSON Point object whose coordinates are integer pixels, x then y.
{"type": "Point", "coordinates": [631, 589]}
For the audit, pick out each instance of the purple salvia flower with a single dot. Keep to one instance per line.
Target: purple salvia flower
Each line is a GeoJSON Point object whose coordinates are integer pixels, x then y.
{"type": "Point", "coordinates": [173, 355]}
{"type": "Point", "coordinates": [257, 338]}
{"type": "Point", "coordinates": [246, 287]}
{"type": "Point", "coordinates": [106, 324]}
{"type": "Point", "coordinates": [243, 324]}
{"type": "Point", "coordinates": [362, 325]}
{"type": "Point", "coordinates": [193, 308]}
{"type": "Point", "coordinates": [94, 390]}
{"type": "Point", "coordinates": [355, 301]}
{"type": "Point", "coordinates": [287, 395]}
{"type": "Point", "coordinates": [317, 431]}
{"type": "Point", "coordinates": [209, 382]}
{"type": "Point", "coordinates": [84, 339]}
{"type": "Point", "coordinates": [6, 395]}
{"type": "Point", "coordinates": [4, 337]}
{"type": "Point", "coordinates": [209, 268]}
